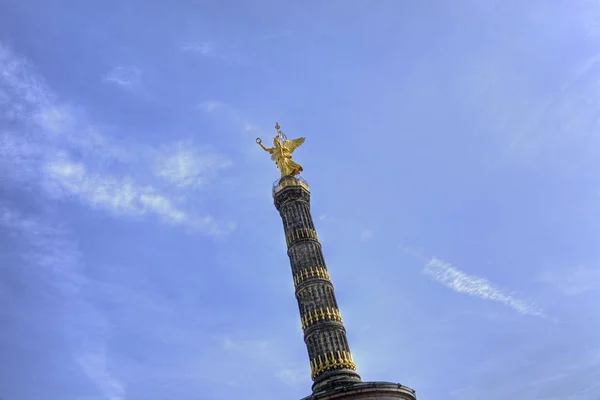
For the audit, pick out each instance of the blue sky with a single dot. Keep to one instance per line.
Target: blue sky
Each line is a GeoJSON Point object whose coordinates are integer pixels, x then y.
{"type": "Point", "coordinates": [453, 156]}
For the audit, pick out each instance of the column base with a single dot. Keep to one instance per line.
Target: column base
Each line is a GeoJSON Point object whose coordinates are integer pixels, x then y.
{"type": "Point", "coordinates": [334, 379]}
{"type": "Point", "coordinates": [366, 391]}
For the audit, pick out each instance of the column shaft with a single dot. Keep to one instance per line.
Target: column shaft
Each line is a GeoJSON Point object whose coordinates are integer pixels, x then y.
{"type": "Point", "coordinates": [324, 333]}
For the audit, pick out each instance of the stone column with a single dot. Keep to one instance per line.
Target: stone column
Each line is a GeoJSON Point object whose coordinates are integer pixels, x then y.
{"type": "Point", "coordinates": [324, 333]}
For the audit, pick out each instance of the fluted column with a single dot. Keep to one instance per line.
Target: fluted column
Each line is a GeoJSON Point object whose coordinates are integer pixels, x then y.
{"type": "Point", "coordinates": [324, 333]}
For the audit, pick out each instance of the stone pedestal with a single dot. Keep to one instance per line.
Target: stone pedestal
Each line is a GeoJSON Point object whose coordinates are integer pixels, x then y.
{"type": "Point", "coordinates": [366, 391]}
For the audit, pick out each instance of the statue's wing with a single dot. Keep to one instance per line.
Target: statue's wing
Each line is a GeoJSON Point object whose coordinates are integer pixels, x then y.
{"type": "Point", "coordinates": [291, 145]}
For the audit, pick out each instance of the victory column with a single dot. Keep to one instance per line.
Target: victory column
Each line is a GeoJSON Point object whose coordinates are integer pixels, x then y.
{"type": "Point", "coordinates": [333, 370]}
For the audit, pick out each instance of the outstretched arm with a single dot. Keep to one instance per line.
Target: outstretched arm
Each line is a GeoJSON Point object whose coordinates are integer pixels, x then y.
{"type": "Point", "coordinates": [259, 141]}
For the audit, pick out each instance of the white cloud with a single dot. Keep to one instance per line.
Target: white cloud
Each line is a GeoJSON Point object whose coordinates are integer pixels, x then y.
{"type": "Point", "coordinates": [209, 49]}
{"type": "Point", "coordinates": [461, 282]}
{"type": "Point", "coordinates": [124, 76]}
{"type": "Point", "coordinates": [50, 249]}
{"type": "Point", "coordinates": [248, 127]}
{"type": "Point", "coordinates": [18, 83]}
{"type": "Point", "coordinates": [65, 178]}
{"type": "Point", "coordinates": [93, 362]}
{"type": "Point", "coordinates": [18, 158]}
{"type": "Point", "coordinates": [589, 12]}
{"type": "Point", "coordinates": [255, 349]}
{"type": "Point", "coordinates": [366, 235]}
{"type": "Point", "coordinates": [163, 207]}
{"type": "Point", "coordinates": [183, 165]}
{"type": "Point", "coordinates": [535, 373]}
{"type": "Point", "coordinates": [275, 35]}
{"type": "Point", "coordinates": [120, 197]}
{"type": "Point", "coordinates": [54, 254]}
{"type": "Point", "coordinates": [62, 128]}
{"type": "Point", "coordinates": [268, 354]}
{"type": "Point", "coordinates": [56, 120]}
{"type": "Point", "coordinates": [203, 48]}
{"type": "Point", "coordinates": [329, 219]}
{"type": "Point", "coordinates": [415, 253]}
{"type": "Point", "coordinates": [573, 281]}
{"type": "Point", "coordinates": [52, 147]}
{"type": "Point", "coordinates": [210, 105]}
{"type": "Point", "coordinates": [227, 343]}
{"type": "Point", "coordinates": [293, 376]}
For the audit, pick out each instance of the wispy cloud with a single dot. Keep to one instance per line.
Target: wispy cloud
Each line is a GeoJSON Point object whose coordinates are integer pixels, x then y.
{"type": "Point", "coordinates": [329, 219]}
{"type": "Point", "coordinates": [53, 254]}
{"type": "Point", "coordinates": [366, 235]}
{"type": "Point", "coordinates": [49, 249]}
{"type": "Point", "coordinates": [462, 282]}
{"type": "Point", "coordinates": [203, 48]}
{"type": "Point", "coordinates": [293, 376]}
{"type": "Point", "coordinates": [124, 76]}
{"type": "Point", "coordinates": [573, 281]}
{"type": "Point", "coordinates": [248, 127]}
{"type": "Point", "coordinates": [63, 127]}
{"type": "Point", "coordinates": [183, 165]}
{"type": "Point", "coordinates": [210, 105]}
{"type": "Point", "coordinates": [209, 49]}
{"type": "Point", "coordinates": [589, 14]}
{"type": "Point", "coordinates": [121, 197]}
{"type": "Point", "coordinates": [93, 357]}
{"type": "Point", "coordinates": [270, 354]}
{"type": "Point", "coordinates": [535, 374]}
{"type": "Point", "coordinates": [275, 35]}
{"type": "Point", "coordinates": [53, 148]}
{"type": "Point", "coordinates": [15, 74]}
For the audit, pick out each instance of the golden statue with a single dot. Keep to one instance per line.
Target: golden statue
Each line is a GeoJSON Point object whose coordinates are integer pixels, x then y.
{"type": "Point", "coordinates": [281, 153]}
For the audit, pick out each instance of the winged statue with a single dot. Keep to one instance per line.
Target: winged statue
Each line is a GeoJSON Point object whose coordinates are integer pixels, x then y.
{"type": "Point", "coordinates": [282, 151]}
